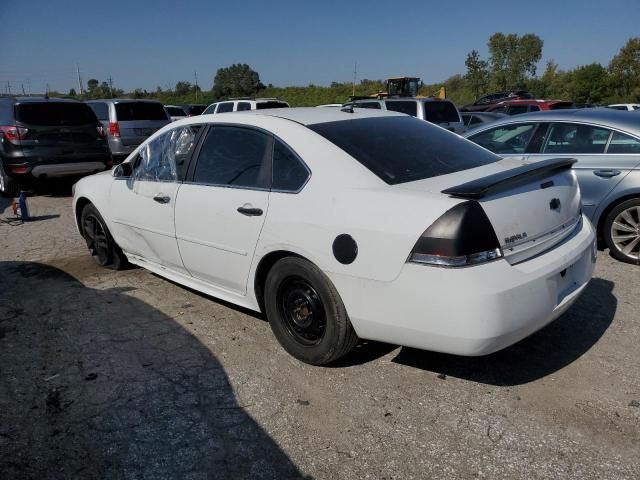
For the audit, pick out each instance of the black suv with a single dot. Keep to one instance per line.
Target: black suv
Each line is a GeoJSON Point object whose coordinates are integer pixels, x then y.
{"type": "Point", "coordinates": [48, 137]}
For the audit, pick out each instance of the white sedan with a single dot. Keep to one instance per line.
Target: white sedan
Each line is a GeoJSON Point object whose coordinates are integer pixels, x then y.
{"type": "Point", "coordinates": [347, 224]}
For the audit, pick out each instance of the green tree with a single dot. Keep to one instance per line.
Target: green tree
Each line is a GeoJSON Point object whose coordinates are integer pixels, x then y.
{"type": "Point", "coordinates": [238, 80]}
{"type": "Point", "coordinates": [513, 59]}
{"type": "Point", "coordinates": [587, 84]}
{"type": "Point", "coordinates": [93, 86]}
{"type": "Point", "coordinates": [625, 71]}
{"type": "Point", "coordinates": [183, 88]}
{"type": "Point", "coordinates": [477, 72]}
{"type": "Point", "coordinates": [72, 93]}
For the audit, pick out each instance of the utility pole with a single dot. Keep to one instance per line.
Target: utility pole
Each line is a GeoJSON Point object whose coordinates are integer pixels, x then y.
{"type": "Point", "coordinates": [48, 89]}
{"type": "Point", "coordinates": [196, 75]}
{"type": "Point", "coordinates": [79, 79]}
{"type": "Point", "coordinates": [355, 70]}
{"type": "Point", "coordinates": [22, 85]}
{"type": "Point", "coordinates": [8, 87]}
{"type": "Point", "coordinates": [110, 86]}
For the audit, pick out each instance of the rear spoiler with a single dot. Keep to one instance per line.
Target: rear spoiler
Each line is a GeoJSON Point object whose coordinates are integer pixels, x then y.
{"type": "Point", "coordinates": [500, 181]}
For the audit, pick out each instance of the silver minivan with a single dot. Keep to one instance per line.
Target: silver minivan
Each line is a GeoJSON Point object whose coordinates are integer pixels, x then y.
{"type": "Point", "coordinates": [441, 112]}
{"type": "Point", "coordinates": [128, 122]}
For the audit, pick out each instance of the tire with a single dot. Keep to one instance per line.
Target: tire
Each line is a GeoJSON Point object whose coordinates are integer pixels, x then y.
{"type": "Point", "coordinates": [9, 187]}
{"type": "Point", "coordinates": [621, 231]}
{"type": "Point", "coordinates": [104, 250]}
{"type": "Point", "coordinates": [306, 313]}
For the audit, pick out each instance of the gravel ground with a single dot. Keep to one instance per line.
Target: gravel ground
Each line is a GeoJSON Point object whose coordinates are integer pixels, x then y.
{"type": "Point", "coordinates": [126, 375]}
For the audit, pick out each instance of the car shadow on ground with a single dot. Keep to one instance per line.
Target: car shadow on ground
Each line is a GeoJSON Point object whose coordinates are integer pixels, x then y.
{"type": "Point", "coordinates": [543, 353]}
{"type": "Point", "coordinates": [98, 384]}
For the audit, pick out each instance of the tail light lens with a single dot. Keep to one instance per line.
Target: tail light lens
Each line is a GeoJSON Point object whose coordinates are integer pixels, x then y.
{"type": "Point", "coordinates": [461, 237]}
{"type": "Point", "coordinates": [114, 129]}
{"type": "Point", "coordinates": [20, 169]}
{"type": "Point", "coordinates": [13, 133]}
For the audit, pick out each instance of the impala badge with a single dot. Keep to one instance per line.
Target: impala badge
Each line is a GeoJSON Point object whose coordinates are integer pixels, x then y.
{"type": "Point", "coordinates": [555, 204]}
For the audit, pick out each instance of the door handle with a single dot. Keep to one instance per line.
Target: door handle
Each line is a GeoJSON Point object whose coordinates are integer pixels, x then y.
{"type": "Point", "coordinates": [160, 198]}
{"type": "Point", "coordinates": [250, 211]}
{"type": "Point", "coordinates": [606, 173]}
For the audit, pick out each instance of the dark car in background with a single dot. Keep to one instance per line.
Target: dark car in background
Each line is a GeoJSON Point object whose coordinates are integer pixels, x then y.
{"type": "Point", "coordinates": [128, 122]}
{"type": "Point", "coordinates": [44, 138]}
{"type": "Point", "coordinates": [194, 109]}
{"type": "Point", "coordinates": [484, 103]}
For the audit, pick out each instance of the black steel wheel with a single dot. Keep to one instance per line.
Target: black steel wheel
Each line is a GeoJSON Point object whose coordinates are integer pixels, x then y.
{"type": "Point", "coordinates": [306, 313]}
{"type": "Point", "coordinates": [100, 243]}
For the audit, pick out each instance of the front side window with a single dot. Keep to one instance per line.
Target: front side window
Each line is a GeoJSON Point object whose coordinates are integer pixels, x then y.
{"type": "Point", "coordinates": [506, 139]}
{"type": "Point", "coordinates": [410, 108]}
{"type": "Point", "coordinates": [289, 174]}
{"type": "Point", "coordinates": [225, 107]}
{"type": "Point", "coordinates": [534, 108]}
{"type": "Point", "coordinates": [576, 138]}
{"type": "Point", "coordinates": [621, 143]}
{"type": "Point", "coordinates": [234, 157]}
{"type": "Point", "coordinates": [176, 111]}
{"type": "Point", "coordinates": [210, 109]}
{"type": "Point", "coordinates": [242, 106]}
{"type": "Point", "coordinates": [164, 159]}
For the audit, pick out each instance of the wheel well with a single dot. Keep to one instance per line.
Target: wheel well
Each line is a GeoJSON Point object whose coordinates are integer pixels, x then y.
{"type": "Point", "coordinates": [265, 265]}
{"type": "Point", "coordinates": [80, 204]}
{"type": "Point", "coordinates": [606, 211]}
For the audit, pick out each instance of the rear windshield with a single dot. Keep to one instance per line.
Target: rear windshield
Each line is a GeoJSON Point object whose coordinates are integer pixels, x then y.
{"type": "Point", "coordinates": [271, 104]}
{"type": "Point", "coordinates": [403, 149]}
{"type": "Point", "coordinates": [440, 112]}
{"type": "Point", "coordinates": [175, 111]}
{"type": "Point", "coordinates": [55, 113]}
{"type": "Point", "coordinates": [128, 111]}
{"type": "Point", "coordinates": [196, 109]}
{"type": "Point", "coordinates": [410, 108]}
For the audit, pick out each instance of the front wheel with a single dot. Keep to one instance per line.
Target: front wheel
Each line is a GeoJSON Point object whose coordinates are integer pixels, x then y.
{"type": "Point", "coordinates": [102, 247]}
{"type": "Point", "coordinates": [306, 313]}
{"type": "Point", "coordinates": [622, 231]}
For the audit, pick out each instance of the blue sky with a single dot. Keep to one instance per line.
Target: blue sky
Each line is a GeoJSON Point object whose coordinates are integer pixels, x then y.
{"type": "Point", "coordinates": [146, 44]}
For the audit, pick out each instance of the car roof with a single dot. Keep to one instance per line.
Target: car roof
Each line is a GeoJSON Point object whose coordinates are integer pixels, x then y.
{"type": "Point", "coordinates": [311, 115]}
{"type": "Point", "coordinates": [401, 99]}
{"type": "Point", "coordinates": [602, 116]}
{"type": "Point", "coordinates": [39, 100]}
{"type": "Point", "coordinates": [530, 101]}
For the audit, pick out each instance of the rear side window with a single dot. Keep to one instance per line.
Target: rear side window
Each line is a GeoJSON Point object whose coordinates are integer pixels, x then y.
{"type": "Point", "coordinates": [195, 109]}
{"type": "Point", "coordinates": [576, 138]}
{"type": "Point", "coordinates": [410, 108]}
{"type": "Point", "coordinates": [242, 106]}
{"type": "Point", "coordinates": [234, 157]}
{"type": "Point", "coordinates": [401, 149]}
{"type": "Point", "coordinates": [100, 109]}
{"type": "Point", "coordinates": [271, 104]}
{"type": "Point", "coordinates": [621, 143]}
{"type": "Point", "coordinates": [289, 174]}
{"type": "Point", "coordinates": [225, 107]}
{"type": "Point", "coordinates": [53, 114]}
{"type": "Point", "coordinates": [506, 139]}
{"type": "Point", "coordinates": [130, 111]}
{"type": "Point", "coordinates": [440, 112]}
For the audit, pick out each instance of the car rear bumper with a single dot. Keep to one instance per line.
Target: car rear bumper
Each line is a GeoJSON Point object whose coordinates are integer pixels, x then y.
{"type": "Point", "coordinates": [475, 310]}
{"type": "Point", "coordinates": [67, 169]}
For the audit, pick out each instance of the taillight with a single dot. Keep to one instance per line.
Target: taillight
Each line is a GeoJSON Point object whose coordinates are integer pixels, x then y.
{"type": "Point", "coordinates": [114, 129]}
{"type": "Point", "coordinates": [101, 132]}
{"type": "Point", "coordinates": [13, 133]}
{"type": "Point", "coordinates": [20, 169]}
{"type": "Point", "coordinates": [461, 237]}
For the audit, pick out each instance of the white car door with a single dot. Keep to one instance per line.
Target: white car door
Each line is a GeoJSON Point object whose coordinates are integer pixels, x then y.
{"type": "Point", "coordinates": [142, 205]}
{"type": "Point", "coordinates": [221, 210]}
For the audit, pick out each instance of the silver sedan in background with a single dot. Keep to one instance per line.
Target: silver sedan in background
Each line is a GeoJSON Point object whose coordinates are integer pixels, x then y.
{"type": "Point", "coordinates": [606, 144]}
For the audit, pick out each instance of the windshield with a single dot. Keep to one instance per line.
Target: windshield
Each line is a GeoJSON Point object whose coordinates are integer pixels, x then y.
{"type": "Point", "coordinates": [403, 149]}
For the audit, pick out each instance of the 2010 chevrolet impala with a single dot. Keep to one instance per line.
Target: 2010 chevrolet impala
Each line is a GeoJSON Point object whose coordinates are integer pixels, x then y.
{"type": "Point", "coordinates": [347, 224]}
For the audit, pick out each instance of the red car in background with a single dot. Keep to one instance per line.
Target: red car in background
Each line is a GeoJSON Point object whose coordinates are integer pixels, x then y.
{"type": "Point", "coordinates": [515, 107]}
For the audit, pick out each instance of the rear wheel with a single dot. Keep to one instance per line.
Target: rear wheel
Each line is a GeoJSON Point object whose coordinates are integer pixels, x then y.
{"type": "Point", "coordinates": [622, 231]}
{"type": "Point", "coordinates": [306, 313]}
{"type": "Point", "coordinates": [9, 187]}
{"type": "Point", "coordinates": [102, 247]}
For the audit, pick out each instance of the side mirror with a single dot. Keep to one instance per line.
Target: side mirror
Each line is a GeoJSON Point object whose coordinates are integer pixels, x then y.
{"type": "Point", "coordinates": [124, 170]}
